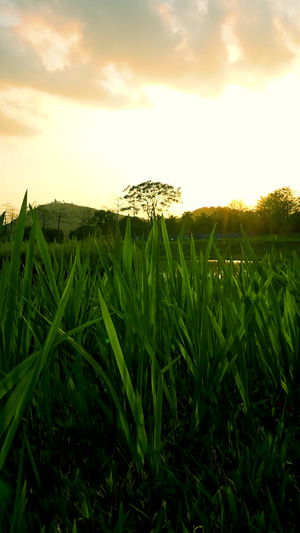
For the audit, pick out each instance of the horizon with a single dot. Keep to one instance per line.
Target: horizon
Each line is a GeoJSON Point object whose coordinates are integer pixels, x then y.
{"type": "Point", "coordinates": [202, 96]}
{"type": "Point", "coordinates": [66, 202]}
{"type": "Point", "coordinates": [168, 213]}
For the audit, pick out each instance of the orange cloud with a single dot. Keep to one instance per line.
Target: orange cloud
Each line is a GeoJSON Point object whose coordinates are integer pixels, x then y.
{"type": "Point", "coordinates": [53, 45]}
{"type": "Point", "coordinates": [107, 53]}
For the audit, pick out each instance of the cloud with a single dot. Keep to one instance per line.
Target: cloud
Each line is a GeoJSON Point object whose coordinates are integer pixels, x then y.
{"type": "Point", "coordinates": [12, 127]}
{"type": "Point", "coordinates": [265, 51]}
{"type": "Point", "coordinates": [107, 53]}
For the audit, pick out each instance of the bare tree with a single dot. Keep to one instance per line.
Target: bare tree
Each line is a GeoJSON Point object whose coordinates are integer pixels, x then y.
{"type": "Point", "coordinates": [44, 215]}
{"type": "Point", "coordinates": [117, 208]}
{"type": "Point", "coordinates": [11, 214]}
{"type": "Point", "coordinates": [60, 214]}
{"type": "Point", "coordinates": [85, 216]}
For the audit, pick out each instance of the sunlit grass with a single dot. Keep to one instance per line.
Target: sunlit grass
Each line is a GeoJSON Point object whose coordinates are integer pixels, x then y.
{"type": "Point", "coordinates": [139, 397]}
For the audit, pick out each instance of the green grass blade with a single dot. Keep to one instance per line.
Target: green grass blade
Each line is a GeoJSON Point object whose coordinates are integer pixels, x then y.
{"type": "Point", "coordinates": [167, 246]}
{"type": "Point", "coordinates": [158, 423]}
{"type": "Point", "coordinates": [95, 365]}
{"type": "Point", "coordinates": [46, 258]}
{"type": "Point", "coordinates": [12, 286]}
{"type": "Point", "coordinates": [134, 402]}
{"type": "Point", "coordinates": [127, 252]}
{"type": "Point", "coordinates": [28, 389]}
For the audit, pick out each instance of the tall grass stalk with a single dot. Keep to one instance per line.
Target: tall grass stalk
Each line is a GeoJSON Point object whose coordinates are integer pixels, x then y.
{"type": "Point", "coordinates": [183, 365]}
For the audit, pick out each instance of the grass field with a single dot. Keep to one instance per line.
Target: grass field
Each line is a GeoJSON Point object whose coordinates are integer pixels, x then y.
{"type": "Point", "coordinates": [140, 398]}
{"type": "Point", "coordinates": [230, 248]}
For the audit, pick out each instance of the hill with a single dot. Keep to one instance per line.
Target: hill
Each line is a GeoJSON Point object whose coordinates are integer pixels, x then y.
{"type": "Point", "coordinates": [63, 215]}
{"type": "Point", "coordinates": [59, 215]}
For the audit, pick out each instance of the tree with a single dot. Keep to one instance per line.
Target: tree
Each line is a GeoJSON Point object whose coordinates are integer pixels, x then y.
{"type": "Point", "coordinates": [294, 222]}
{"type": "Point", "coordinates": [203, 223]}
{"type": "Point", "coordinates": [44, 215]}
{"type": "Point", "coordinates": [59, 213]}
{"type": "Point", "coordinates": [281, 202]}
{"type": "Point", "coordinates": [105, 221]}
{"type": "Point", "coordinates": [85, 215]}
{"type": "Point", "coordinates": [10, 215]}
{"type": "Point", "coordinates": [139, 226]}
{"type": "Point", "coordinates": [277, 207]}
{"type": "Point", "coordinates": [173, 225]}
{"type": "Point", "coordinates": [83, 232]}
{"type": "Point", "coordinates": [188, 220]}
{"type": "Point", "coordinates": [237, 205]}
{"type": "Point", "coordinates": [117, 207]}
{"type": "Point", "coordinates": [151, 198]}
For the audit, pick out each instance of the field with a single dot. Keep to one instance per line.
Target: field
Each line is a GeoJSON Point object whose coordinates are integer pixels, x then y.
{"type": "Point", "coordinates": [143, 390]}
{"type": "Point", "coordinates": [230, 248]}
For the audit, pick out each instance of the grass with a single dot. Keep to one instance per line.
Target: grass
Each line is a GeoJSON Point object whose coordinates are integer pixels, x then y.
{"type": "Point", "coordinates": [139, 398]}
{"type": "Point", "coordinates": [231, 247]}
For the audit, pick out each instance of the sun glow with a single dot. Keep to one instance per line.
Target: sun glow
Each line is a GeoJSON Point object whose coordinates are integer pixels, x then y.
{"type": "Point", "coordinates": [200, 95]}
{"type": "Point", "coordinates": [239, 146]}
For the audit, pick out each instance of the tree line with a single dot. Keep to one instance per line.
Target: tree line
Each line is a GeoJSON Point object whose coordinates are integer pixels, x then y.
{"type": "Point", "coordinates": [277, 212]}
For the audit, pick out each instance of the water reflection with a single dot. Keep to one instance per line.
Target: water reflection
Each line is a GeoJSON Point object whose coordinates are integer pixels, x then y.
{"type": "Point", "coordinates": [215, 268]}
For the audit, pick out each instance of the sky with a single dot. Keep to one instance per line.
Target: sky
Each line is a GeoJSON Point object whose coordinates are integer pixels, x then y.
{"type": "Point", "coordinates": [96, 95]}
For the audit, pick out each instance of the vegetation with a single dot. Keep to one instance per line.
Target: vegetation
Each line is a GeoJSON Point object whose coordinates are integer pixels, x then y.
{"type": "Point", "coordinates": [231, 248]}
{"type": "Point", "coordinates": [276, 213]}
{"type": "Point", "coordinates": [102, 224]}
{"type": "Point", "coordinates": [152, 198]}
{"type": "Point", "coordinates": [135, 397]}
{"type": "Point", "coordinates": [278, 209]}
{"type": "Point", "coordinates": [62, 216]}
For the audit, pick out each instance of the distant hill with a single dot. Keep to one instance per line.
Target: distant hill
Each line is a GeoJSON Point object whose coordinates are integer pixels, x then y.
{"type": "Point", "coordinates": [60, 215]}
{"type": "Point", "coordinates": [204, 211]}
{"type": "Point", "coordinates": [66, 216]}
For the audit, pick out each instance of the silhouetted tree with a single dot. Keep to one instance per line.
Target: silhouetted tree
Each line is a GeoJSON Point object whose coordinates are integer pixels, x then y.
{"type": "Point", "coordinates": [151, 198]}
{"type": "Point", "coordinates": [10, 215]}
{"type": "Point", "coordinates": [237, 205]}
{"type": "Point", "coordinates": [83, 232]}
{"type": "Point", "coordinates": [44, 215]}
{"type": "Point", "coordinates": [85, 216]}
{"type": "Point", "coordinates": [60, 214]}
{"type": "Point", "coordinates": [105, 221]}
{"type": "Point", "coordinates": [250, 221]}
{"type": "Point", "coordinates": [294, 222]}
{"type": "Point", "coordinates": [117, 207]}
{"type": "Point", "coordinates": [139, 226]}
{"type": "Point", "coordinates": [173, 225]}
{"type": "Point", "coordinates": [203, 223]}
{"type": "Point", "coordinates": [187, 218]}
{"type": "Point", "coordinates": [277, 207]}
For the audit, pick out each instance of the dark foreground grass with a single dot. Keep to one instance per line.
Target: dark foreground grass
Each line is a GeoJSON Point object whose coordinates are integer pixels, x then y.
{"type": "Point", "coordinates": [135, 398]}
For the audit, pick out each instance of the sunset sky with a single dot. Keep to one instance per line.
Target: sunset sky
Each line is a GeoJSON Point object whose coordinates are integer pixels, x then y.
{"type": "Point", "coordinates": [96, 95]}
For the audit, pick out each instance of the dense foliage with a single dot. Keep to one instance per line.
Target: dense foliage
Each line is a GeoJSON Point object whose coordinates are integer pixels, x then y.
{"type": "Point", "coordinates": [152, 198]}
{"type": "Point", "coordinates": [276, 213]}
{"type": "Point", "coordinates": [137, 395]}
